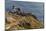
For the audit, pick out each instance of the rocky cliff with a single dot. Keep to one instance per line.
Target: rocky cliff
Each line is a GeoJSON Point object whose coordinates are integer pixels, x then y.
{"type": "Point", "coordinates": [18, 20]}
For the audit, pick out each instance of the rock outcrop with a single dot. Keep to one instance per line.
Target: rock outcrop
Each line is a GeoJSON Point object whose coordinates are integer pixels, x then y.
{"type": "Point", "coordinates": [18, 20]}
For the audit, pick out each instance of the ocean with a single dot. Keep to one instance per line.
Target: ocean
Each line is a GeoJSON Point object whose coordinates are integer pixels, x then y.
{"type": "Point", "coordinates": [36, 8]}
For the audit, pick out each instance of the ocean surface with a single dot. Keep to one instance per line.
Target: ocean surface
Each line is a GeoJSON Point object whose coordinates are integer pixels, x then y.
{"type": "Point", "coordinates": [36, 8]}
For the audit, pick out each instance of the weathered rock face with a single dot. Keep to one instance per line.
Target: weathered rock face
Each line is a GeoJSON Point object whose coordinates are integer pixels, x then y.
{"type": "Point", "coordinates": [21, 21]}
